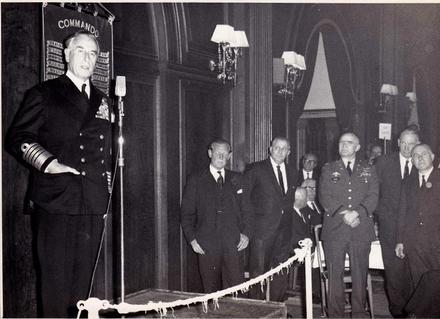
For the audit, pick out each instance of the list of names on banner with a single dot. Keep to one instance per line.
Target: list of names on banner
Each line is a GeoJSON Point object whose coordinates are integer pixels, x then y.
{"type": "Point", "coordinates": [55, 65]}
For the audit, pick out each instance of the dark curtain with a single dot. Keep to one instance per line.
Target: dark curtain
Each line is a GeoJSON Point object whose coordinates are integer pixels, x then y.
{"type": "Point", "coordinates": [297, 105]}
{"type": "Point", "coordinates": [425, 115]}
{"type": "Point", "coordinates": [338, 63]}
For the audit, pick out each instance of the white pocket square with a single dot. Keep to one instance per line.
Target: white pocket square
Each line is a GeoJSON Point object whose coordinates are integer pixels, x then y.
{"type": "Point", "coordinates": [240, 191]}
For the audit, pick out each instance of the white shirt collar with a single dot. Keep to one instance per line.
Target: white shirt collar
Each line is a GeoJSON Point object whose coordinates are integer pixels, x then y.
{"type": "Point", "coordinates": [78, 82]}
{"type": "Point", "coordinates": [403, 163]}
{"type": "Point", "coordinates": [345, 161]}
{"type": "Point", "coordinates": [274, 164]}
{"type": "Point", "coordinates": [305, 173]}
{"type": "Point", "coordinates": [214, 171]}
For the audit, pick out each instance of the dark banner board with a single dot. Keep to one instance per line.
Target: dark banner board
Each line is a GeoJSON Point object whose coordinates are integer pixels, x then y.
{"type": "Point", "coordinates": [58, 24]}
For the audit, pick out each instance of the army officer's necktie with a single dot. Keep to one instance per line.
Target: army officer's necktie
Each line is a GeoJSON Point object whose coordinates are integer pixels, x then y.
{"type": "Point", "coordinates": [349, 168]}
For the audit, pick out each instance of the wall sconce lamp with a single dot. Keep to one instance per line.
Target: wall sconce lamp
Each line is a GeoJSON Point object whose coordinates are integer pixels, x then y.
{"type": "Point", "coordinates": [230, 42]}
{"type": "Point", "coordinates": [387, 90]}
{"type": "Point", "coordinates": [411, 96]}
{"type": "Point", "coordinates": [294, 66]}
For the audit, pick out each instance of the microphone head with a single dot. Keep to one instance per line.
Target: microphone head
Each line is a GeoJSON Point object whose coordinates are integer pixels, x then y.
{"type": "Point", "coordinates": [120, 89]}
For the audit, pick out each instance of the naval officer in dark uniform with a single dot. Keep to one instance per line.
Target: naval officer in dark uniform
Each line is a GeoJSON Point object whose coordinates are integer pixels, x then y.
{"type": "Point", "coordinates": [62, 132]}
{"type": "Point", "coordinates": [348, 191]}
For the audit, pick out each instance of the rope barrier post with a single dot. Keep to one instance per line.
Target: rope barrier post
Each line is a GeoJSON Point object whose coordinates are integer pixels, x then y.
{"type": "Point", "coordinates": [267, 289]}
{"type": "Point", "coordinates": [93, 305]}
{"type": "Point", "coordinates": [308, 274]}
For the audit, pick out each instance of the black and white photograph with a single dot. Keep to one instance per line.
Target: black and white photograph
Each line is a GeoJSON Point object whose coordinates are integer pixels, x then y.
{"type": "Point", "coordinates": [246, 159]}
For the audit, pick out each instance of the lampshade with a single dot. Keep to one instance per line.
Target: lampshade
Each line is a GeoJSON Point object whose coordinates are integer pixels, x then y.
{"type": "Point", "coordinates": [240, 40]}
{"type": "Point", "coordinates": [411, 96]}
{"type": "Point", "coordinates": [389, 89]}
{"type": "Point", "coordinates": [223, 33]}
{"type": "Point", "coordinates": [295, 59]}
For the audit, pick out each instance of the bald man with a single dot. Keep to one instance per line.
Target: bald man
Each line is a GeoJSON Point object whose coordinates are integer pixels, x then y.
{"type": "Point", "coordinates": [348, 192]}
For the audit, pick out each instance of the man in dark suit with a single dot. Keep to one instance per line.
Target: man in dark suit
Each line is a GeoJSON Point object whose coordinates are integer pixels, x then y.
{"type": "Point", "coordinates": [269, 191]}
{"type": "Point", "coordinates": [309, 168]}
{"type": "Point", "coordinates": [214, 222]}
{"type": "Point", "coordinates": [348, 191]}
{"type": "Point", "coordinates": [392, 170]}
{"type": "Point", "coordinates": [312, 210]}
{"type": "Point", "coordinates": [418, 236]}
{"type": "Point", "coordinates": [64, 137]}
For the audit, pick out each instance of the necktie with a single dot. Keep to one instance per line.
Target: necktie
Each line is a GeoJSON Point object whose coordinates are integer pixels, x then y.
{"type": "Point", "coordinates": [349, 168]}
{"type": "Point", "coordinates": [406, 172]}
{"type": "Point", "coordinates": [280, 179]}
{"type": "Point", "coordinates": [315, 208]}
{"type": "Point", "coordinates": [423, 182]}
{"type": "Point", "coordinates": [301, 215]}
{"type": "Point", "coordinates": [220, 179]}
{"type": "Point", "coordinates": [83, 91]}
{"type": "Point", "coordinates": [308, 175]}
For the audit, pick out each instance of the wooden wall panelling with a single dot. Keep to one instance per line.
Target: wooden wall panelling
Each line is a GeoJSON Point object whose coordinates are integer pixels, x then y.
{"type": "Point", "coordinates": [260, 81]}
{"type": "Point", "coordinates": [21, 40]}
{"type": "Point", "coordinates": [136, 58]}
{"type": "Point", "coordinates": [201, 19]}
{"type": "Point", "coordinates": [203, 116]}
{"type": "Point", "coordinates": [238, 14]}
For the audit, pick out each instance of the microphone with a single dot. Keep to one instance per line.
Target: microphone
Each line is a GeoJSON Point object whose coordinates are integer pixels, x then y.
{"type": "Point", "coordinates": [120, 89]}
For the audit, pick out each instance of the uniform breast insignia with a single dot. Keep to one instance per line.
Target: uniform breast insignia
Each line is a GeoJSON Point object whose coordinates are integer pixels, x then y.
{"type": "Point", "coordinates": [336, 176]}
{"type": "Point", "coordinates": [102, 112]}
{"type": "Point", "coordinates": [109, 181]}
{"type": "Point", "coordinates": [365, 174]}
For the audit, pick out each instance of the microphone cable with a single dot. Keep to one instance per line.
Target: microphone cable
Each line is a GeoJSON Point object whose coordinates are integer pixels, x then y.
{"type": "Point", "coordinates": [104, 227]}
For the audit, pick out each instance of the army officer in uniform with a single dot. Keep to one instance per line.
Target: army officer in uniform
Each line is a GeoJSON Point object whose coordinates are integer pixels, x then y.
{"type": "Point", "coordinates": [349, 193]}
{"type": "Point", "coordinates": [62, 133]}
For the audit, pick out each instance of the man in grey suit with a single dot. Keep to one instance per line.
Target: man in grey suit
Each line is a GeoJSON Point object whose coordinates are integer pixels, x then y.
{"type": "Point", "coordinates": [392, 170]}
{"type": "Point", "coordinates": [348, 190]}
{"type": "Point", "coordinates": [269, 190]}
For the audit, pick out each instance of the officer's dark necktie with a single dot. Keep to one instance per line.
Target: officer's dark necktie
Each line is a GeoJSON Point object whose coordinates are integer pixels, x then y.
{"type": "Point", "coordinates": [423, 182]}
{"type": "Point", "coordinates": [308, 175]}
{"type": "Point", "coordinates": [219, 180]}
{"type": "Point", "coordinates": [280, 179]}
{"type": "Point", "coordinates": [349, 168]}
{"type": "Point", "coordinates": [83, 91]}
{"type": "Point", "coordinates": [406, 172]}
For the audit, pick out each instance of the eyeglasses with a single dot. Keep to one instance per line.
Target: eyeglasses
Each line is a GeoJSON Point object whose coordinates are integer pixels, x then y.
{"type": "Point", "coordinates": [310, 187]}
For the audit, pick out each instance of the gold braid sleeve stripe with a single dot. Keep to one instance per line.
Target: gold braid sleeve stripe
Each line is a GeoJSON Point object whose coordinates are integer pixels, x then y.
{"type": "Point", "coordinates": [36, 155]}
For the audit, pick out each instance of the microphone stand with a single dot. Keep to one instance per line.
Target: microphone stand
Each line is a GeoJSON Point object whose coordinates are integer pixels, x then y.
{"type": "Point", "coordinates": [121, 174]}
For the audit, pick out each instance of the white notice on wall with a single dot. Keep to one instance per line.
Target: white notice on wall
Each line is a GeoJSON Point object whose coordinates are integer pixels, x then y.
{"type": "Point", "coordinates": [385, 131]}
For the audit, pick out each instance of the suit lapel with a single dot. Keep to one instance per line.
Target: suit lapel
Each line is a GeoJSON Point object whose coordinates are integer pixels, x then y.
{"type": "Point", "coordinates": [396, 166]}
{"type": "Point", "coordinates": [273, 177]}
{"type": "Point", "coordinates": [73, 96]}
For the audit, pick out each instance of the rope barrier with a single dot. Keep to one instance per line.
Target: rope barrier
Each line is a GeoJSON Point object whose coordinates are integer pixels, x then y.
{"type": "Point", "coordinates": [94, 305]}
